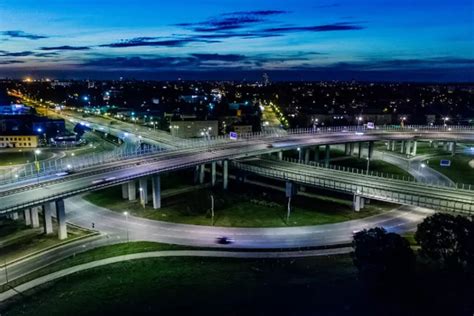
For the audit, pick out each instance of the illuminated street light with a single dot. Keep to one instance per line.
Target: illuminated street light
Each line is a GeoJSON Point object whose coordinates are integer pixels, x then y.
{"type": "Point", "coordinates": [37, 152]}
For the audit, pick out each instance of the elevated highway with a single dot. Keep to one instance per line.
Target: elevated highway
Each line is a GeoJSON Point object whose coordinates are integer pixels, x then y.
{"type": "Point", "coordinates": [39, 186]}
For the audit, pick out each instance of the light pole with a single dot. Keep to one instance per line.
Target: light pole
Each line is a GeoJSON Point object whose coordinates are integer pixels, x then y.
{"type": "Point", "coordinates": [359, 119]}
{"type": "Point", "coordinates": [37, 152]}
{"type": "Point", "coordinates": [368, 164]}
{"type": "Point", "coordinates": [212, 209]}
{"type": "Point", "coordinates": [402, 121]}
{"type": "Point", "coordinates": [445, 119]}
{"type": "Point", "coordinates": [126, 221]}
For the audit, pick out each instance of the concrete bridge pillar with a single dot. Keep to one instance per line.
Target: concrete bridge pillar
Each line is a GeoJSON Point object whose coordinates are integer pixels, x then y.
{"type": "Point", "coordinates": [394, 143]}
{"type": "Point", "coordinates": [370, 150]}
{"type": "Point", "coordinates": [307, 151]}
{"type": "Point", "coordinates": [34, 217]}
{"type": "Point", "coordinates": [388, 145]}
{"type": "Point", "coordinates": [408, 147]}
{"type": "Point", "coordinates": [316, 153]}
{"type": "Point", "coordinates": [351, 149]}
{"type": "Point", "coordinates": [213, 173]}
{"type": "Point", "coordinates": [202, 168]}
{"type": "Point", "coordinates": [14, 216]}
{"type": "Point", "coordinates": [124, 191]}
{"type": "Point", "coordinates": [435, 144]}
{"type": "Point", "coordinates": [346, 149]}
{"type": "Point", "coordinates": [48, 218]}
{"type": "Point", "coordinates": [143, 187]}
{"type": "Point", "coordinates": [356, 204]}
{"type": "Point", "coordinates": [362, 203]}
{"type": "Point", "coordinates": [359, 152]}
{"type": "Point", "coordinates": [402, 146]}
{"type": "Point", "coordinates": [132, 190]}
{"type": "Point", "coordinates": [27, 216]}
{"type": "Point", "coordinates": [415, 146]}
{"type": "Point", "coordinates": [61, 217]}
{"type": "Point", "coordinates": [156, 187]}
{"type": "Point", "coordinates": [445, 146]}
{"type": "Point", "coordinates": [225, 174]}
{"type": "Point", "coordinates": [327, 155]}
{"type": "Point", "coordinates": [280, 155]}
{"type": "Point", "coordinates": [196, 174]}
{"type": "Point", "coordinates": [452, 148]}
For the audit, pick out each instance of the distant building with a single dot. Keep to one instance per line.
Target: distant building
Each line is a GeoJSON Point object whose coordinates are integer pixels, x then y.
{"type": "Point", "coordinates": [193, 129]}
{"type": "Point", "coordinates": [18, 141]}
{"type": "Point", "coordinates": [243, 129]}
{"type": "Point", "coordinates": [15, 109]}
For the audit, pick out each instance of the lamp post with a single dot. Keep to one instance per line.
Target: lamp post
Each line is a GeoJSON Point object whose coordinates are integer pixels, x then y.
{"type": "Point", "coordinates": [37, 152]}
{"type": "Point", "coordinates": [402, 121]}
{"type": "Point", "coordinates": [359, 119]}
{"type": "Point", "coordinates": [126, 221]}
{"type": "Point", "coordinates": [445, 119]}
{"type": "Point", "coordinates": [368, 164]}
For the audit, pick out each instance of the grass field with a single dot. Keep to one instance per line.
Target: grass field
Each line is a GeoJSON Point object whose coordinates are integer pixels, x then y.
{"type": "Point", "coordinates": [25, 156]}
{"type": "Point", "coordinates": [237, 209]}
{"type": "Point", "coordinates": [460, 171]}
{"type": "Point", "coordinates": [213, 286]}
{"type": "Point", "coordinates": [374, 166]}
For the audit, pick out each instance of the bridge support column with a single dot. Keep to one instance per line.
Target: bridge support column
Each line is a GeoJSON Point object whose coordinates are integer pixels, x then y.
{"type": "Point", "coordinates": [327, 155]}
{"type": "Point", "coordinates": [415, 146]}
{"type": "Point", "coordinates": [445, 146]}
{"type": "Point", "coordinates": [156, 187]}
{"type": "Point", "coordinates": [34, 217]}
{"type": "Point", "coordinates": [61, 217]}
{"type": "Point", "coordinates": [408, 148]}
{"type": "Point", "coordinates": [388, 145]}
{"type": "Point", "coordinates": [356, 203]}
{"type": "Point", "coordinates": [435, 144]}
{"type": "Point", "coordinates": [124, 191]}
{"type": "Point", "coordinates": [307, 151]}
{"type": "Point", "coordinates": [143, 187]}
{"type": "Point", "coordinates": [359, 152]}
{"type": "Point", "coordinates": [201, 173]}
{"type": "Point", "coordinates": [402, 147]}
{"type": "Point", "coordinates": [346, 149]}
{"type": "Point", "coordinates": [132, 190]}
{"type": "Point", "coordinates": [225, 174]}
{"type": "Point", "coordinates": [362, 203]}
{"type": "Point", "coordinates": [370, 150]}
{"type": "Point", "coordinates": [316, 154]}
{"type": "Point", "coordinates": [452, 148]}
{"type": "Point", "coordinates": [14, 216]}
{"type": "Point", "coordinates": [280, 155]}
{"type": "Point", "coordinates": [213, 173]}
{"type": "Point", "coordinates": [48, 218]}
{"type": "Point", "coordinates": [394, 143]}
{"type": "Point", "coordinates": [27, 216]}
{"type": "Point", "coordinates": [351, 149]}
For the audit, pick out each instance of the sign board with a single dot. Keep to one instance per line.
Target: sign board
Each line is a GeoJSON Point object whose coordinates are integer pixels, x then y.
{"type": "Point", "coordinates": [233, 135]}
{"type": "Point", "coordinates": [370, 125]}
{"type": "Point", "coordinates": [445, 163]}
{"type": "Point", "coordinates": [290, 189]}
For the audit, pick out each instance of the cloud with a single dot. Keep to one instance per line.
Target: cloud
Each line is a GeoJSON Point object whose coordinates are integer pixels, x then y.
{"type": "Point", "coordinates": [341, 26]}
{"type": "Point", "coordinates": [65, 47]}
{"type": "Point", "coordinates": [11, 61]}
{"type": "Point", "coordinates": [155, 42]}
{"type": "Point", "coordinates": [219, 57]}
{"type": "Point", "coordinates": [16, 54]}
{"type": "Point", "coordinates": [141, 63]}
{"type": "Point", "coordinates": [231, 21]}
{"type": "Point", "coordinates": [21, 34]}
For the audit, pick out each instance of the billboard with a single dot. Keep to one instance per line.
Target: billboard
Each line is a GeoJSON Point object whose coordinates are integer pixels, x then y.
{"type": "Point", "coordinates": [233, 135]}
{"type": "Point", "coordinates": [445, 163]}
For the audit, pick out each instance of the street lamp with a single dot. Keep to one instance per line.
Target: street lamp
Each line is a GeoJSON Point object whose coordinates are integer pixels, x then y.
{"type": "Point", "coordinates": [359, 119]}
{"type": "Point", "coordinates": [402, 121]}
{"type": "Point", "coordinates": [126, 220]}
{"type": "Point", "coordinates": [368, 164]}
{"type": "Point", "coordinates": [445, 119]}
{"type": "Point", "coordinates": [37, 152]}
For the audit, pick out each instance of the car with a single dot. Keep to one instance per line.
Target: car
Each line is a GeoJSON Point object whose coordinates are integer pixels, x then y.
{"type": "Point", "coordinates": [102, 180]}
{"type": "Point", "coordinates": [224, 240]}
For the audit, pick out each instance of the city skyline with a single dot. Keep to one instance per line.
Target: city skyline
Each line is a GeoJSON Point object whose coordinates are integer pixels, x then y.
{"type": "Point", "coordinates": [394, 41]}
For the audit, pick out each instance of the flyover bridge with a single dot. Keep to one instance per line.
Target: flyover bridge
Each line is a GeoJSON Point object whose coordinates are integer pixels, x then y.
{"type": "Point", "coordinates": [42, 187]}
{"type": "Point", "coordinates": [459, 198]}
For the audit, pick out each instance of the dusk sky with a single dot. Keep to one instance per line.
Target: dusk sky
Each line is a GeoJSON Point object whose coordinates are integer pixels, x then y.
{"type": "Point", "coordinates": [364, 40]}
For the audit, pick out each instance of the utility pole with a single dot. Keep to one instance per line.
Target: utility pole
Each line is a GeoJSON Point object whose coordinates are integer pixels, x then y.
{"type": "Point", "coordinates": [212, 209]}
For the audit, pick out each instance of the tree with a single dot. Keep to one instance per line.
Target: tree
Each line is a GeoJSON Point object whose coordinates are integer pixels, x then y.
{"type": "Point", "coordinates": [447, 238]}
{"type": "Point", "coordinates": [381, 257]}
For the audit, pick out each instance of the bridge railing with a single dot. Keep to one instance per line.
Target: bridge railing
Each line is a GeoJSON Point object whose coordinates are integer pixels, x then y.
{"type": "Point", "coordinates": [376, 174]}
{"type": "Point", "coordinates": [52, 166]}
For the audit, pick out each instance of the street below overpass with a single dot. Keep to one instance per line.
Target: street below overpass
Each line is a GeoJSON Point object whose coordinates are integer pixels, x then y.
{"type": "Point", "coordinates": [116, 228]}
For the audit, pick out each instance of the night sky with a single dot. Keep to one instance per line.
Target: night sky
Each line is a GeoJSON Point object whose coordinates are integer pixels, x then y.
{"type": "Point", "coordinates": [416, 40]}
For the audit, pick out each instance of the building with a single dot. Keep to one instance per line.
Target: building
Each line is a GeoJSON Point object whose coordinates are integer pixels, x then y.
{"type": "Point", "coordinates": [243, 129]}
{"type": "Point", "coordinates": [193, 129]}
{"type": "Point", "coordinates": [18, 141]}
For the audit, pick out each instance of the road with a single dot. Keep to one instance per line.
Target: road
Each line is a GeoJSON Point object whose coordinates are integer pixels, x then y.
{"type": "Point", "coordinates": [114, 227]}
{"type": "Point", "coordinates": [373, 187]}
{"type": "Point", "coordinates": [19, 195]}
{"type": "Point", "coordinates": [415, 167]}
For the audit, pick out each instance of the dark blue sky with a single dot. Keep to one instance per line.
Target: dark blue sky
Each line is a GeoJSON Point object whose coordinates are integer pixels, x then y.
{"type": "Point", "coordinates": [221, 39]}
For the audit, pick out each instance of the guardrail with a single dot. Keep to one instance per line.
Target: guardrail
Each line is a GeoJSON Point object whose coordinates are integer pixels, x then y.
{"type": "Point", "coordinates": [400, 192]}
{"type": "Point", "coordinates": [52, 166]}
